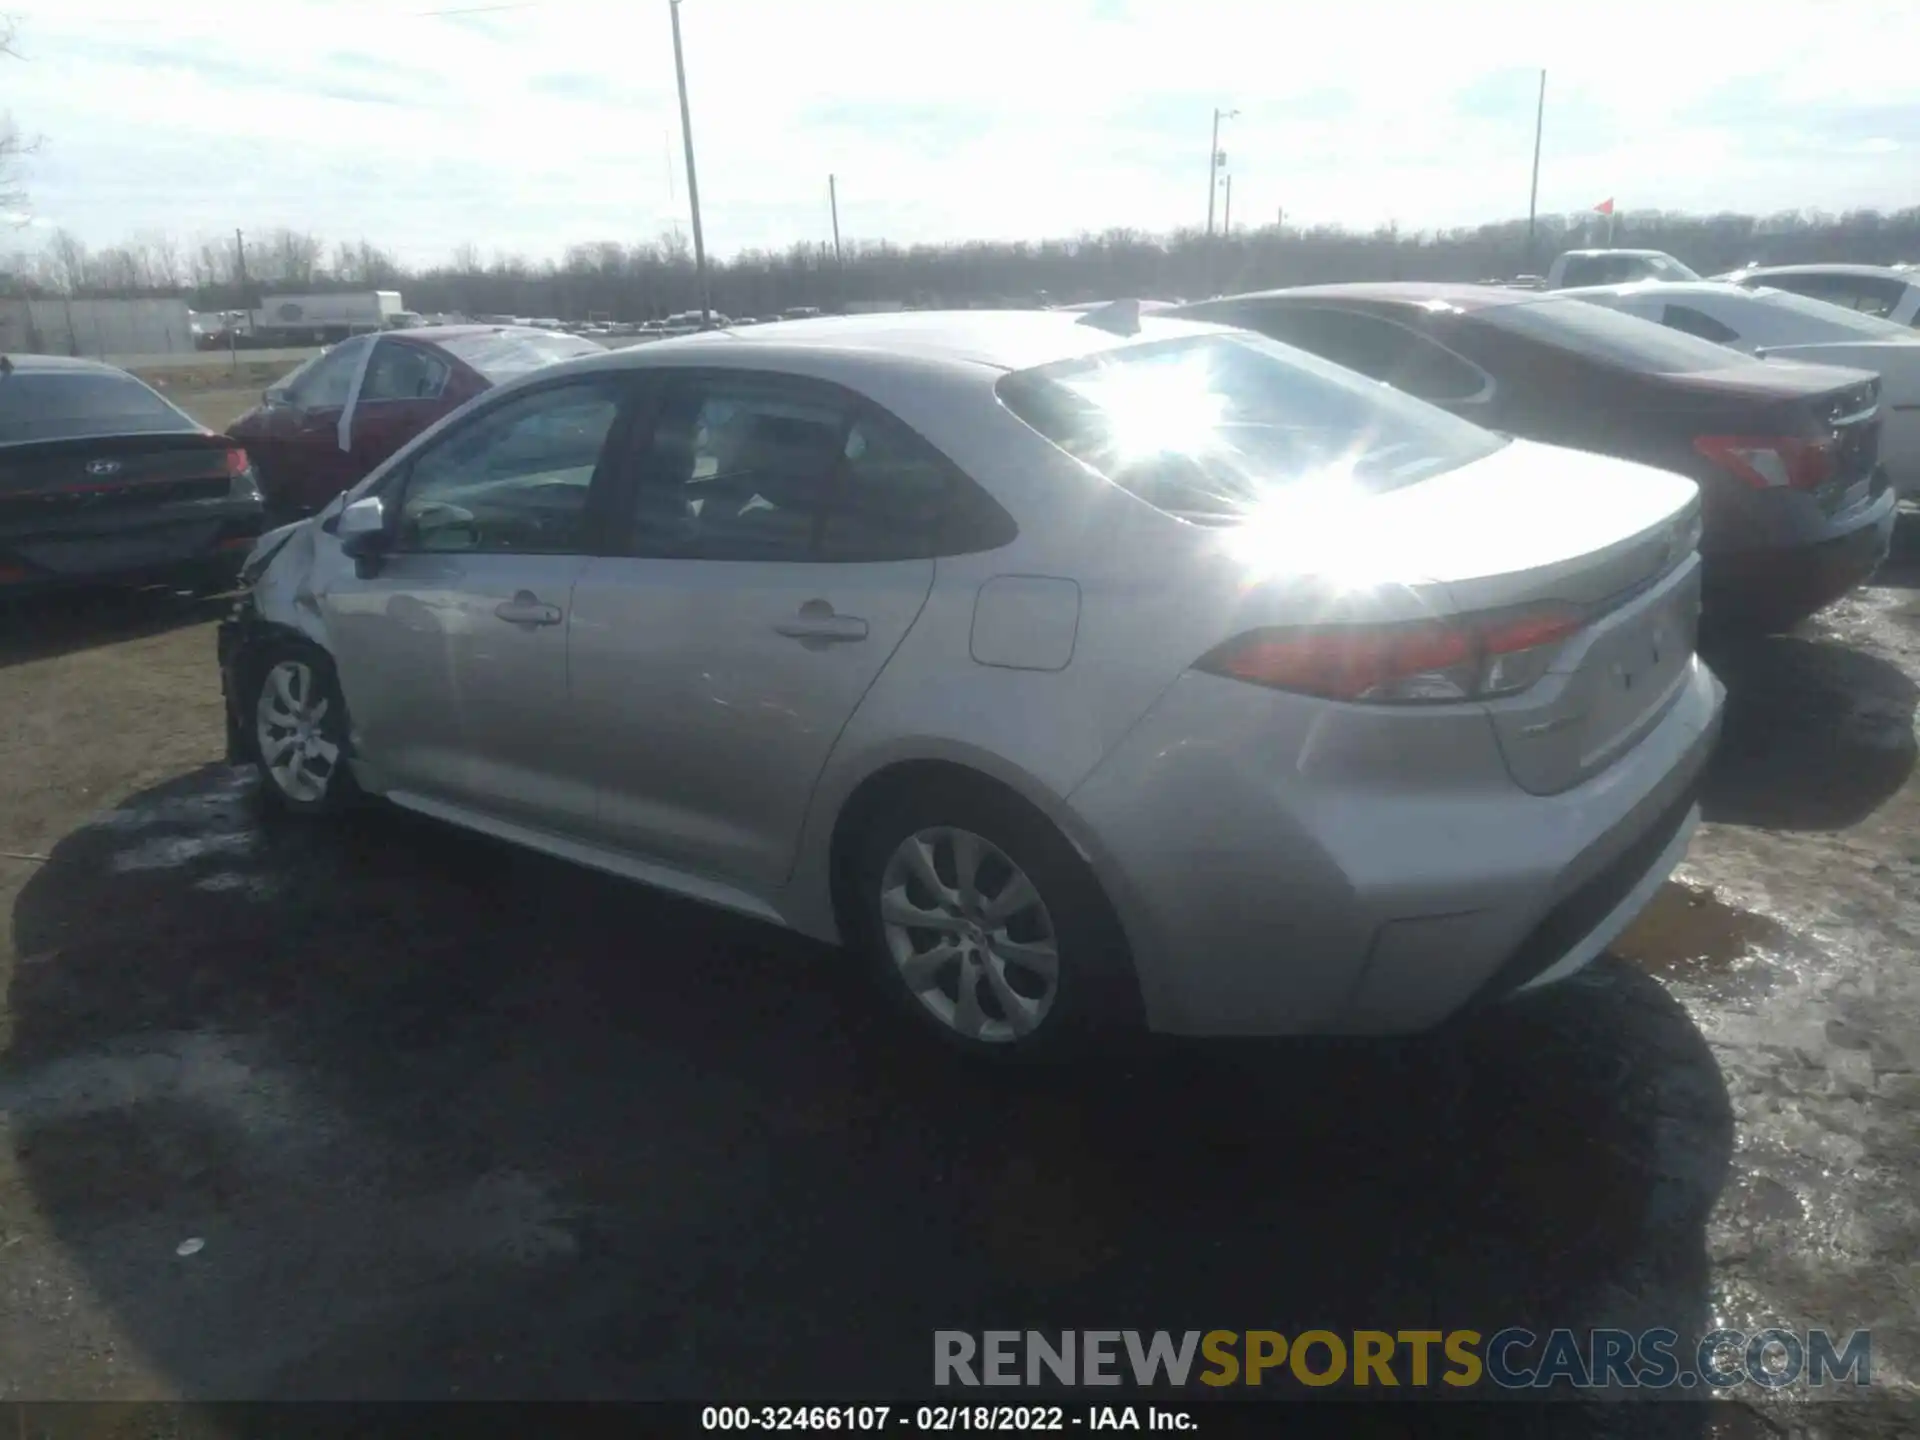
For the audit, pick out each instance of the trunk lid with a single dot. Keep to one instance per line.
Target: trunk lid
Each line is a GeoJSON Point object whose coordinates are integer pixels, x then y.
{"type": "Point", "coordinates": [1836, 407]}
{"type": "Point", "coordinates": [52, 482]}
{"type": "Point", "coordinates": [1538, 525]}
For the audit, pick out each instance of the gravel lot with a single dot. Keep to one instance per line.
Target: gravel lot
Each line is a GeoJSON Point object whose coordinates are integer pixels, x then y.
{"type": "Point", "coordinates": [451, 1120]}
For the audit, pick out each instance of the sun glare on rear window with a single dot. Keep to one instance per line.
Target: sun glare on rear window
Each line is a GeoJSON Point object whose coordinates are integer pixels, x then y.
{"type": "Point", "coordinates": [1209, 428]}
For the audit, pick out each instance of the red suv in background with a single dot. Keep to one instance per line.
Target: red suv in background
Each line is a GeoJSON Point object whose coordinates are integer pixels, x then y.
{"type": "Point", "coordinates": [326, 425]}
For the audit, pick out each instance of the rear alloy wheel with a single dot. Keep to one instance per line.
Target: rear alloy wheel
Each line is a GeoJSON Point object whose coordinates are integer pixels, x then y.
{"type": "Point", "coordinates": [299, 732]}
{"type": "Point", "coordinates": [986, 926]}
{"type": "Point", "coordinates": [970, 935]}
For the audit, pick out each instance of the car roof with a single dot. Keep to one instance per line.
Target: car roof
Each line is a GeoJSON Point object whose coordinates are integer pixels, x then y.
{"type": "Point", "coordinates": [1843, 268]}
{"type": "Point", "coordinates": [436, 333]}
{"type": "Point", "coordinates": [1642, 253]}
{"type": "Point", "coordinates": [1671, 288]}
{"type": "Point", "coordinates": [61, 362]}
{"type": "Point", "coordinates": [1406, 292]}
{"type": "Point", "coordinates": [995, 339]}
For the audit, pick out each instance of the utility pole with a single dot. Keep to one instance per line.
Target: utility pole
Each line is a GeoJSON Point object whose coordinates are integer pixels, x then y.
{"type": "Point", "coordinates": [1214, 158]}
{"type": "Point", "coordinates": [1226, 220]}
{"type": "Point", "coordinates": [1533, 198]}
{"type": "Point", "coordinates": [833, 201]}
{"type": "Point", "coordinates": [839, 264]}
{"type": "Point", "coordinates": [693, 183]}
{"type": "Point", "coordinates": [240, 273]}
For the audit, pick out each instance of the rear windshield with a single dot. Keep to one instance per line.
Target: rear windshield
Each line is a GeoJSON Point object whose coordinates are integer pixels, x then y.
{"type": "Point", "coordinates": [1832, 322]}
{"type": "Point", "coordinates": [1206, 428]}
{"type": "Point", "coordinates": [1617, 269]}
{"type": "Point", "coordinates": [499, 355]}
{"type": "Point", "coordinates": [64, 404]}
{"type": "Point", "coordinates": [1602, 334]}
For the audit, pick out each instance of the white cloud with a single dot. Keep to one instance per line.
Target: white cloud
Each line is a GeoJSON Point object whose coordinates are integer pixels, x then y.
{"type": "Point", "coordinates": [523, 130]}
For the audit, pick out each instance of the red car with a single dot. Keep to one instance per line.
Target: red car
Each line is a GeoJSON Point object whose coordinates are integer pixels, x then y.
{"type": "Point", "coordinates": [327, 424]}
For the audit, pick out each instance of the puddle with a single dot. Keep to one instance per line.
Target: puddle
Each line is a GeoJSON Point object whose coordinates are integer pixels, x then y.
{"type": "Point", "coordinates": [172, 851]}
{"type": "Point", "coordinates": [1689, 933]}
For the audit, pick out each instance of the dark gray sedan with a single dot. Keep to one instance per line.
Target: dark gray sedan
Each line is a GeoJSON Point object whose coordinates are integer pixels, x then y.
{"type": "Point", "coordinates": [102, 479]}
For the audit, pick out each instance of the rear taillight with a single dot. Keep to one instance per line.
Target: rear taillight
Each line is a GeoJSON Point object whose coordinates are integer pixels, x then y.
{"type": "Point", "coordinates": [1433, 661]}
{"type": "Point", "coordinates": [1771, 462]}
{"type": "Point", "coordinates": [242, 483]}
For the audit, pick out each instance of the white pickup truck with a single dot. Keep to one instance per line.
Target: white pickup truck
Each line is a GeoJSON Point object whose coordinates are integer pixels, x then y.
{"type": "Point", "coordinates": [1614, 267]}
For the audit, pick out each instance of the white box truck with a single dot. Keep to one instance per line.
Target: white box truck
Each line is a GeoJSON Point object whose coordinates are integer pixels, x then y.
{"type": "Point", "coordinates": [328, 318]}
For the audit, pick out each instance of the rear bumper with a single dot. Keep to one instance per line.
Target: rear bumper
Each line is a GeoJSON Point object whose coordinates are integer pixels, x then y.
{"type": "Point", "coordinates": [1781, 585]}
{"type": "Point", "coordinates": [1267, 894]}
{"type": "Point", "coordinates": [136, 548]}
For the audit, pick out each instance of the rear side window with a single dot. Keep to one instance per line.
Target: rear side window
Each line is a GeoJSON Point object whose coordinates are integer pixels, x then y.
{"type": "Point", "coordinates": [1607, 335]}
{"type": "Point", "coordinates": [501, 354]}
{"type": "Point", "coordinates": [61, 404]}
{"type": "Point", "coordinates": [1208, 428]}
{"type": "Point", "coordinates": [770, 467]}
{"type": "Point", "coordinates": [1697, 322]}
{"type": "Point", "coordinates": [399, 371]}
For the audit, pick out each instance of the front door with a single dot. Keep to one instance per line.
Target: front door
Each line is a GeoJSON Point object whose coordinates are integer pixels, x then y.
{"type": "Point", "coordinates": [304, 463]}
{"type": "Point", "coordinates": [453, 657]}
{"type": "Point", "coordinates": [779, 547]}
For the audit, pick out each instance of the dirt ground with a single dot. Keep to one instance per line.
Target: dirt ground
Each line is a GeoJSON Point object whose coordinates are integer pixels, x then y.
{"type": "Point", "coordinates": [387, 1111]}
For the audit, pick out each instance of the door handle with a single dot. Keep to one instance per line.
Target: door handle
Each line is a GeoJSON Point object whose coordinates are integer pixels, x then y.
{"type": "Point", "coordinates": [816, 625]}
{"type": "Point", "coordinates": [527, 608]}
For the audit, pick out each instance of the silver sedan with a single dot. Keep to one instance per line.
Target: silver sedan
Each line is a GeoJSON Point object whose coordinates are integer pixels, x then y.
{"type": "Point", "coordinates": [1073, 671]}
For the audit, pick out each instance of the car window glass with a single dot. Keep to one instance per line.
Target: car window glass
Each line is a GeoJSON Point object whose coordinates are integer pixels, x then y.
{"type": "Point", "coordinates": [513, 479]}
{"type": "Point", "coordinates": [324, 384]}
{"type": "Point", "coordinates": [1869, 294]}
{"type": "Point", "coordinates": [738, 470]}
{"type": "Point", "coordinates": [889, 495]}
{"type": "Point", "coordinates": [1377, 348]}
{"type": "Point", "coordinates": [1214, 427]}
{"type": "Point", "coordinates": [1698, 322]}
{"type": "Point", "coordinates": [502, 354]}
{"type": "Point", "coordinates": [1599, 333]}
{"type": "Point", "coordinates": [404, 372]}
{"type": "Point", "coordinates": [57, 404]}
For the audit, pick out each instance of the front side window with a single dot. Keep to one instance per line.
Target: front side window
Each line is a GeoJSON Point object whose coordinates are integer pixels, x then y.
{"type": "Point", "coordinates": [1207, 429]}
{"type": "Point", "coordinates": [59, 404]}
{"type": "Point", "coordinates": [514, 479]}
{"type": "Point", "coordinates": [399, 371]}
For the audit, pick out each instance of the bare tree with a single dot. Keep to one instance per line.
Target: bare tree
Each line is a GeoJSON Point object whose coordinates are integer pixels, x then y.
{"type": "Point", "coordinates": [168, 272]}
{"type": "Point", "coordinates": [14, 146]}
{"type": "Point", "coordinates": [67, 262]}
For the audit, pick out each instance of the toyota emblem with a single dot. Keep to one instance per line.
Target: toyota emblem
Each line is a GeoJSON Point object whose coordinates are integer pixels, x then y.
{"type": "Point", "coordinates": [103, 467]}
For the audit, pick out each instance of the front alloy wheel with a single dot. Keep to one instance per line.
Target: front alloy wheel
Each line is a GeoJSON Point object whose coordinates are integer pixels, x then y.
{"type": "Point", "coordinates": [299, 755]}
{"type": "Point", "coordinates": [970, 935]}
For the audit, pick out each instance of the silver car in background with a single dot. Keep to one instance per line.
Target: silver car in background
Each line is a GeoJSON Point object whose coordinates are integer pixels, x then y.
{"type": "Point", "coordinates": [1076, 672]}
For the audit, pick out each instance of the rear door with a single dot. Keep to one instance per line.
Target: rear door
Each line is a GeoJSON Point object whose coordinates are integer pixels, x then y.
{"type": "Point", "coordinates": [407, 386]}
{"type": "Point", "coordinates": [453, 656]}
{"type": "Point", "coordinates": [779, 545]}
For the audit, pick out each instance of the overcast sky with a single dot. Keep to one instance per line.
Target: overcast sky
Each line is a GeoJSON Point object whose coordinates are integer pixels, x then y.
{"type": "Point", "coordinates": [524, 129]}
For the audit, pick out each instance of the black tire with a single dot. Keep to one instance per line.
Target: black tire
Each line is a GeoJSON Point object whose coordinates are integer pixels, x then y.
{"type": "Point", "coordinates": [278, 793]}
{"type": "Point", "coordinates": [1096, 999]}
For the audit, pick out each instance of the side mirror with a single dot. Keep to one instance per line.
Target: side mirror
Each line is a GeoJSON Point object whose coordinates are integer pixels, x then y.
{"type": "Point", "coordinates": [362, 530]}
{"type": "Point", "coordinates": [274, 395]}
